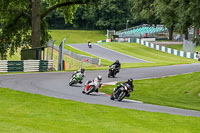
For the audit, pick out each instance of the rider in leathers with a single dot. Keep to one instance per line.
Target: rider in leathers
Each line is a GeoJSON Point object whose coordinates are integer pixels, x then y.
{"type": "Point", "coordinates": [117, 65]}
{"type": "Point", "coordinates": [80, 71]}
{"type": "Point", "coordinates": [97, 81]}
{"type": "Point", "coordinates": [131, 86]}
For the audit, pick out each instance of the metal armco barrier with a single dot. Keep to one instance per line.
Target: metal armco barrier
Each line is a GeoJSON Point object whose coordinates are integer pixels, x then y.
{"type": "Point", "coordinates": [3, 66]}
{"type": "Point", "coordinates": [26, 66]}
{"type": "Point", "coordinates": [15, 66]}
{"type": "Point", "coordinates": [79, 57]}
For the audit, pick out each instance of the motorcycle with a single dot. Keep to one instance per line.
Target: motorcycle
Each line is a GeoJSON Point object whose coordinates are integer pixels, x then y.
{"type": "Point", "coordinates": [77, 78]}
{"type": "Point", "coordinates": [89, 45]}
{"type": "Point", "coordinates": [90, 86]}
{"type": "Point", "coordinates": [120, 93]}
{"type": "Point", "coordinates": [112, 71]}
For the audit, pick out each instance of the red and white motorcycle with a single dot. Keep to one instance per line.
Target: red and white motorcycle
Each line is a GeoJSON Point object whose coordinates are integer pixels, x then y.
{"type": "Point", "coordinates": [91, 86]}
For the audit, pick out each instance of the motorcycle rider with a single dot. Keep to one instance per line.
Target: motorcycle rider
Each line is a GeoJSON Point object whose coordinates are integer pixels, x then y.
{"type": "Point", "coordinates": [97, 81]}
{"type": "Point", "coordinates": [117, 65]}
{"type": "Point", "coordinates": [130, 86]}
{"type": "Point", "coordinates": [82, 71]}
{"type": "Point", "coordinates": [89, 44]}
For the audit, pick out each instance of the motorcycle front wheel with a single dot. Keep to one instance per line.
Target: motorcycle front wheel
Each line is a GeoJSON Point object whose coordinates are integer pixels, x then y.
{"type": "Point", "coordinates": [109, 74]}
{"type": "Point", "coordinates": [71, 82]}
{"type": "Point", "coordinates": [121, 96]}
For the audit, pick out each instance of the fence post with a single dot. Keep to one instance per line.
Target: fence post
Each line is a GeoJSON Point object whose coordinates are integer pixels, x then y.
{"type": "Point", "coordinates": [60, 58]}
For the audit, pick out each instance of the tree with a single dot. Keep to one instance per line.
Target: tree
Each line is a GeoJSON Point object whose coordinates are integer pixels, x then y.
{"type": "Point", "coordinates": [144, 11]}
{"type": "Point", "coordinates": [166, 10]}
{"type": "Point", "coordinates": [184, 17]}
{"type": "Point", "coordinates": [188, 16]}
{"type": "Point", "coordinates": [113, 14]}
{"type": "Point", "coordinates": [24, 21]}
{"type": "Point", "coordinates": [194, 11]}
{"type": "Point", "coordinates": [86, 17]}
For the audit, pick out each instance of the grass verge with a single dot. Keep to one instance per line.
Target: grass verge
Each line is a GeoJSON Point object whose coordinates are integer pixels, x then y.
{"type": "Point", "coordinates": [24, 112]}
{"type": "Point", "coordinates": [73, 64]}
{"type": "Point", "coordinates": [103, 61]}
{"type": "Point", "coordinates": [180, 47]}
{"type": "Point", "coordinates": [77, 36]}
{"type": "Point", "coordinates": [157, 58]}
{"type": "Point", "coordinates": [181, 91]}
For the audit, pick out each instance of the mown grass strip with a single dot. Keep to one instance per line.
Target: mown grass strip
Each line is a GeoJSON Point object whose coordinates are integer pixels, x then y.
{"type": "Point", "coordinates": [77, 36]}
{"type": "Point", "coordinates": [157, 58]}
{"type": "Point", "coordinates": [180, 47]}
{"type": "Point", "coordinates": [181, 91]}
{"type": "Point", "coordinates": [24, 112]}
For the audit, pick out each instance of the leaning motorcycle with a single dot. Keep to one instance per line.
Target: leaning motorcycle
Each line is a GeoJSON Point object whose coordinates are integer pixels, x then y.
{"type": "Point", "coordinates": [90, 87]}
{"type": "Point", "coordinates": [77, 78]}
{"type": "Point", "coordinates": [112, 71]}
{"type": "Point", "coordinates": [120, 93]}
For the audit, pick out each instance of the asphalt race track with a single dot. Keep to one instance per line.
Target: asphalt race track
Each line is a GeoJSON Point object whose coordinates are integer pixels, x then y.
{"type": "Point", "coordinates": [55, 84]}
{"type": "Point", "coordinates": [107, 54]}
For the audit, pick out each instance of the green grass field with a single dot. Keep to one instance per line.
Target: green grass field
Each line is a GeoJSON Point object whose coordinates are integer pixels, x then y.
{"type": "Point", "coordinates": [180, 47]}
{"type": "Point", "coordinates": [24, 112]}
{"type": "Point", "coordinates": [157, 58]}
{"type": "Point", "coordinates": [181, 91]}
{"type": "Point", "coordinates": [103, 61]}
{"type": "Point", "coordinates": [77, 36]}
{"type": "Point", "coordinates": [73, 64]}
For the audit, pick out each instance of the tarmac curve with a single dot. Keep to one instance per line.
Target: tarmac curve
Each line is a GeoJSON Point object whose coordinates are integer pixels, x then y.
{"type": "Point", "coordinates": [55, 84]}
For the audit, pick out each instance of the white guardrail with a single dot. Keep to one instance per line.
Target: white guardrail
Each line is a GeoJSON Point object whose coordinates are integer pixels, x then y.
{"type": "Point", "coordinates": [25, 65]}
{"type": "Point", "coordinates": [3, 66]}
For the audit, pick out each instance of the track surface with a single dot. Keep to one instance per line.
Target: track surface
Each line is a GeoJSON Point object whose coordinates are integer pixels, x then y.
{"type": "Point", "coordinates": [56, 85]}
{"type": "Point", "coordinates": [107, 54]}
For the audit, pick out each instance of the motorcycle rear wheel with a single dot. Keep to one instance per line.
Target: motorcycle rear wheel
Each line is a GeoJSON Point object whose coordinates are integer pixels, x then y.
{"type": "Point", "coordinates": [112, 97]}
{"type": "Point", "coordinates": [90, 89]}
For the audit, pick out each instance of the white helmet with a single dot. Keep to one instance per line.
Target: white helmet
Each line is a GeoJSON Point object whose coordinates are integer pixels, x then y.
{"type": "Point", "coordinates": [99, 78]}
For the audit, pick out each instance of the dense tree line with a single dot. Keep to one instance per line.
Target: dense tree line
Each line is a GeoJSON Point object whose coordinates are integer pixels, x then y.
{"type": "Point", "coordinates": [176, 15]}
{"type": "Point", "coordinates": [24, 22]}
{"type": "Point", "coordinates": [107, 14]}
{"type": "Point", "coordinates": [173, 14]}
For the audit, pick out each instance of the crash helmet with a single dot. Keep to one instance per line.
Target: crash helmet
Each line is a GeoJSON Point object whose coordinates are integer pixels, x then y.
{"type": "Point", "coordinates": [99, 78]}
{"type": "Point", "coordinates": [82, 70]}
{"type": "Point", "coordinates": [130, 81]}
{"type": "Point", "coordinates": [117, 61]}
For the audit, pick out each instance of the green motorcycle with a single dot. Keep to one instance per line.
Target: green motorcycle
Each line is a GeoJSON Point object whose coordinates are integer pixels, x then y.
{"type": "Point", "coordinates": [77, 78]}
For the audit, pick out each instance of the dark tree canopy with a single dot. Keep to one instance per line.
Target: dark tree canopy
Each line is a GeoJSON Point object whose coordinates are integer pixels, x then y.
{"type": "Point", "coordinates": [23, 22]}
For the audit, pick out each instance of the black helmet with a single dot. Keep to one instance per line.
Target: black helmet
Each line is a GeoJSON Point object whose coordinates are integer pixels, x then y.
{"type": "Point", "coordinates": [117, 61]}
{"type": "Point", "coordinates": [99, 78]}
{"type": "Point", "coordinates": [82, 70]}
{"type": "Point", "coordinates": [130, 81]}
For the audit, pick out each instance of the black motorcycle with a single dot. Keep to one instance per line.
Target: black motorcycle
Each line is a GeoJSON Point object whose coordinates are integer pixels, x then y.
{"type": "Point", "coordinates": [121, 92]}
{"type": "Point", "coordinates": [89, 45]}
{"type": "Point", "coordinates": [113, 71]}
